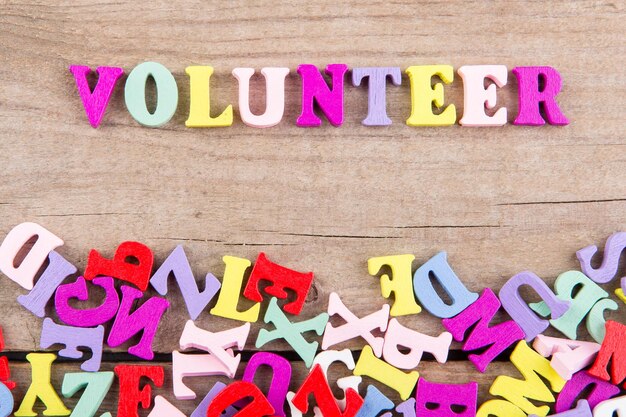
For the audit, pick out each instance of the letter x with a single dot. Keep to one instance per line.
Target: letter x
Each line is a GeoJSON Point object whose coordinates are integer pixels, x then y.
{"type": "Point", "coordinates": [292, 332]}
{"type": "Point", "coordinates": [216, 343]}
{"type": "Point", "coordinates": [354, 326]}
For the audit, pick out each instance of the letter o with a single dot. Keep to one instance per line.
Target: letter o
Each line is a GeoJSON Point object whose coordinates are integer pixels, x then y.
{"type": "Point", "coordinates": [135, 94]}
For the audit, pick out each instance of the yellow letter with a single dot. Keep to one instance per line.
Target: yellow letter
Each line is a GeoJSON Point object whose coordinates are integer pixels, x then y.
{"type": "Point", "coordinates": [200, 100]}
{"type": "Point", "coordinates": [531, 365]}
{"type": "Point", "coordinates": [423, 96]}
{"type": "Point", "coordinates": [41, 388]}
{"type": "Point", "coordinates": [401, 282]}
{"type": "Point", "coordinates": [499, 408]}
{"type": "Point", "coordinates": [381, 371]}
{"type": "Point", "coordinates": [231, 288]}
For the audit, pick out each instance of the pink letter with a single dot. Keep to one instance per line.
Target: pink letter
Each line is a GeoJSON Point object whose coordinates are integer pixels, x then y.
{"type": "Point", "coordinates": [24, 274]}
{"type": "Point", "coordinates": [477, 98]}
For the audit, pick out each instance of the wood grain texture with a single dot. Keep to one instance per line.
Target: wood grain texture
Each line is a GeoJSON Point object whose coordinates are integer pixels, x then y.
{"type": "Point", "coordinates": [499, 200]}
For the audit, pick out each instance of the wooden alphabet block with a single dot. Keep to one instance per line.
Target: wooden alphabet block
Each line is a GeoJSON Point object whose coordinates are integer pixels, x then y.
{"type": "Point", "coordinates": [417, 343]}
{"type": "Point", "coordinates": [587, 295]}
{"type": "Point", "coordinates": [400, 282]}
{"type": "Point", "coordinates": [130, 396]}
{"type": "Point", "coordinates": [274, 96]}
{"type": "Point", "coordinates": [355, 326]}
{"type": "Point", "coordinates": [145, 318]}
{"type": "Point", "coordinates": [582, 410]}
{"type": "Point", "coordinates": [425, 95]}
{"type": "Point", "coordinates": [96, 386]}
{"type": "Point", "coordinates": [407, 408]}
{"type": "Point", "coordinates": [377, 91]}
{"type": "Point", "coordinates": [228, 298]}
{"type": "Point", "coordinates": [445, 397]}
{"type": "Point", "coordinates": [6, 401]}
{"type": "Point", "coordinates": [538, 87]}
{"type": "Point", "coordinates": [519, 311]}
{"type": "Point", "coordinates": [86, 317]}
{"type": "Point", "coordinates": [119, 268]}
{"type": "Point", "coordinates": [72, 338]}
{"type": "Point", "coordinates": [56, 272]}
{"type": "Point", "coordinates": [135, 92]}
{"type": "Point", "coordinates": [41, 388]}
{"type": "Point", "coordinates": [495, 338]}
{"type": "Point", "coordinates": [200, 100]}
{"type": "Point", "coordinates": [96, 102]}
{"type": "Point", "coordinates": [374, 403]}
{"type": "Point", "coordinates": [281, 279]}
{"type": "Point", "coordinates": [369, 365]}
{"type": "Point", "coordinates": [202, 408]}
{"type": "Point", "coordinates": [499, 408]}
{"type": "Point", "coordinates": [595, 319]}
{"type": "Point", "coordinates": [326, 358]}
{"type": "Point", "coordinates": [5, 371]}
{"type": "Point", "coordinates": [184, 365]}
{"type": "Point", "coordinates": [316, 384]}
{"type": "Point", "coordinates": [581, 383]}
{"type": "Point", "coordinates": [216, 343]}
{"type": "Point", "coordinates": [177, 265]}
{"type": "Point", "coordinates": [568, 356]}
{"type": "Point", "coordinates": [613, 349]}
{"type": "Point", "coordinates": [610, 408]}
{"type": "Point", "coordinates": [281, 377]}
{"type": "Point", "coordinates": [438, 267]}
{"type": "Point", "coordinates": [518, 392]}
{"type": "Point", "coordinates": [315, 90]}
{"type": "Point", "coordinates": [13, 243]}
{"type": "Point", "coordinates": [164, 408]}
{"type": "Point", "coordinates": [292, 332]}
{"type": "Point", "coordinates": [477, 98]}
{"type": "Point", "coordinates": [613, 249]}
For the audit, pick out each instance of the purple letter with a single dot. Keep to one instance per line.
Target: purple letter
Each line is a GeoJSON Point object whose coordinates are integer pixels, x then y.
{"type": "Point", "coordinates": [377, 92]}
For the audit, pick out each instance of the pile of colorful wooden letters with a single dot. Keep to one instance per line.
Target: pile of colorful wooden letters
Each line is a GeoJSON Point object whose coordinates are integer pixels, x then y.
{"type": "Point", "coordinates": [588, 371]}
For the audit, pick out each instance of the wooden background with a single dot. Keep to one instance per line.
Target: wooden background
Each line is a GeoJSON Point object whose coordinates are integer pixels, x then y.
{"type": "Point", "coordinates": [498, 200]}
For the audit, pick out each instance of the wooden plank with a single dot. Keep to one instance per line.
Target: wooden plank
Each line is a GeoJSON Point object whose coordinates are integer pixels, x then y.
{"type": "Point", "coordinates": [498, 200]}
{"type": "Point", "coordinates": [459, 372]}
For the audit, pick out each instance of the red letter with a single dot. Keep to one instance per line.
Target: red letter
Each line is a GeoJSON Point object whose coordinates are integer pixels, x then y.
{"type": "Point", "coordinates": [119, 267]}
{"type": "Point", "coordinates": [130, 395]}
{"type": "Point", "coordinates": [317, 385]}
{"type": "Point", "coordinates": [613, 349]}
{"type": "Point", "coordinates": [281, 278]}
{"type": "Point", "coordinates": [259, 407]}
